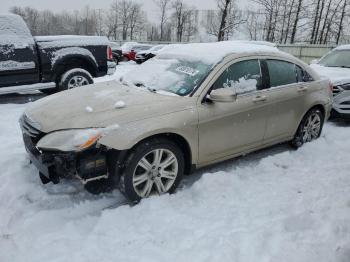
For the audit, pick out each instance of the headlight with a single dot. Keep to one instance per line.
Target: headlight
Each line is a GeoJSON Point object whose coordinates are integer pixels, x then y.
{"type": "Point", "coordinates": [345, 86]}
{"type": "Point", "coordinates": [70, 140]}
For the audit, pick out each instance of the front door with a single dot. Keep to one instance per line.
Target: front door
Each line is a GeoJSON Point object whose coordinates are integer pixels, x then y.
{"type": "Point", "coordinates": [229, 128]}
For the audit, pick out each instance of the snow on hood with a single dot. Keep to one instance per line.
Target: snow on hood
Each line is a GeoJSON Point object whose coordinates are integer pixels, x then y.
{"type": "Point", "coordinates": [211, 53]}
{"type": "Point", "coordinates": [100, 105]}
{"type": "Point", "coordinates": [337, 75]}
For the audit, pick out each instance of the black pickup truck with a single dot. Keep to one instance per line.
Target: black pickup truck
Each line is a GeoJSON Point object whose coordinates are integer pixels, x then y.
{"type": "Point", "coordinates": [49, 63]}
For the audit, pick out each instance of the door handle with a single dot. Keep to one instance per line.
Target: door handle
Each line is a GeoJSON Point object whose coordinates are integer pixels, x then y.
{"type": "Point", "coordinates": [302, 89]}
{"type": "Point", "coordinates": [259, 98]}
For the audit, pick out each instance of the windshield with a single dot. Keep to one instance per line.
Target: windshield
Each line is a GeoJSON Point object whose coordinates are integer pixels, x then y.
{"type": "Point", "coordinates": [176, 76]}
{"type": "Point", "coordinates": [337, 58]}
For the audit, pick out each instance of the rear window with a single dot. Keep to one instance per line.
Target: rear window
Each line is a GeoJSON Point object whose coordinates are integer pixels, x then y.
{"type": "Point", "coordinates": [13, 25]}
{"type": "Point", "coordinates": [13, 30]}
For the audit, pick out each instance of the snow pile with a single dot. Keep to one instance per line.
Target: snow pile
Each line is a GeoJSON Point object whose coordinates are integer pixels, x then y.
{"type": "Point", "coordinates": [122, 69]}
{"type": "Point", "coordinates": [212, 53]}
{"type": "Point", "coordinates": [119, 104]}
{"type": "Point", "coordinates": [271, 206]}
{"type": "Point", "coordinates": [89, 109]}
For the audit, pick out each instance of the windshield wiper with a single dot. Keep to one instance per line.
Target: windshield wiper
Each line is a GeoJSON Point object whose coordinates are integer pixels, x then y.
{"type": "Point", "coordinates": [153, 90]}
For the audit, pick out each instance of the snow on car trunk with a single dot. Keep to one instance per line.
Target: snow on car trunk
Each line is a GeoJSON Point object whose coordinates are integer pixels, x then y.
{"type": "Point", "coordinates": [274, 205]}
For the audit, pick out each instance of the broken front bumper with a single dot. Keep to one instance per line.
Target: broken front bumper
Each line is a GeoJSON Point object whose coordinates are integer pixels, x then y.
{"type": "Point", "coordinates": [87, 166]}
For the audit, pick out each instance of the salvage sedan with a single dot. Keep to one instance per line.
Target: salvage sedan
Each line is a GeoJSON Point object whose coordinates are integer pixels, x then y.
{"type": "Point", "coordinates": [184, 109]}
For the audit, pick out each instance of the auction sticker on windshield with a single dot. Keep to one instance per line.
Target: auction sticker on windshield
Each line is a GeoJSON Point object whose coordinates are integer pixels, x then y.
{"type": "Point", "coordinates": [187, 70]}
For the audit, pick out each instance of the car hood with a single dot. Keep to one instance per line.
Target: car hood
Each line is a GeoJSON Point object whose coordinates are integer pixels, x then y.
{"type": "Point", "coordinates": [102, 105]}
{"type": "Point", "coordinates": [337, 75]}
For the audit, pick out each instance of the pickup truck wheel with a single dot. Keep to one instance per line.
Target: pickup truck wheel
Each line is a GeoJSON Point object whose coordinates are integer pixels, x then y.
{"type": "Point", "coordinates": [74, 78]}
{"type": "Point", "coordinates": [154, 167]}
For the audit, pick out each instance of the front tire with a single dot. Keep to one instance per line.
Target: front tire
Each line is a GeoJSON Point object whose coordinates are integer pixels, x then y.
{"type": "Point", "coordinates": [153, 167]}
{"type": "Point", "coordinates": [75, 78]}
{"type": "Point", "coordinates": [309, 129]}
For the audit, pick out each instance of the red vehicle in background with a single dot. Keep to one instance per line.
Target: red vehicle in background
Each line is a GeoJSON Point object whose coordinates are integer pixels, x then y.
{"type": "Point", "coordinates": [131, 48]}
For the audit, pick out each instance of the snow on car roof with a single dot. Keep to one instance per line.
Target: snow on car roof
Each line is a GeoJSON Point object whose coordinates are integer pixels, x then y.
{"type": "Point", "coordinates": [343, 47]}
{"type": "Point", "coordinates": [214, 52]}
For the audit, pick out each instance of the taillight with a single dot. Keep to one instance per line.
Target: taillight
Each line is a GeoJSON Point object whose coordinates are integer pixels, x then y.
{"type": "Point", "coordinates": [330, 85]}
{"type": "Point", "coordinates": [109, 53]}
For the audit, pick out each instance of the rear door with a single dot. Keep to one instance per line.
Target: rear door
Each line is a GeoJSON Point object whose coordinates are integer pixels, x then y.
{"type": "Point", "coordinates": [288, 93]}
{"type": "Point", "coordinates": [18, 56]}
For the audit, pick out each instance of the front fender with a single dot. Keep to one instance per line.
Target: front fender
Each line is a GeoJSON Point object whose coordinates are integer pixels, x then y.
{"type": "Point", "coordinates": [183, 123]}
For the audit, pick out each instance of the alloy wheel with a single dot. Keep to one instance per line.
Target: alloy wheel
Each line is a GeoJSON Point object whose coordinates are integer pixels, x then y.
{"type": "Point", "coordinates": [312, 127]}
{"type": "Point", "coordinates": [155, 172]}
{"type": "Point", "coordinates": [77, 81]}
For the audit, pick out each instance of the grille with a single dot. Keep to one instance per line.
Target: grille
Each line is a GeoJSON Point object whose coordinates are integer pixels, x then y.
{"type": "Point", "coordinates": [30, 128]}
{"type": "Point", "coordinates": [336, 90]}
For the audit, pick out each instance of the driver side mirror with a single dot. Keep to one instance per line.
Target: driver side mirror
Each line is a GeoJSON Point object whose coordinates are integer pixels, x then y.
{"type": "Point", "coordinates": [314, 61]}
{"type": "Point", "coordinates": [223, 95]}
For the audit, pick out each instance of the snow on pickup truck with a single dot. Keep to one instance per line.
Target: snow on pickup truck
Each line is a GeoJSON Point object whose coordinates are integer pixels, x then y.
{"type": "Point", "coordinates": [49, 63]}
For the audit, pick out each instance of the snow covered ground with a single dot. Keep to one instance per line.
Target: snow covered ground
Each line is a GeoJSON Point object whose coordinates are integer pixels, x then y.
{"type": "Point", "coordinates": [271, 206]}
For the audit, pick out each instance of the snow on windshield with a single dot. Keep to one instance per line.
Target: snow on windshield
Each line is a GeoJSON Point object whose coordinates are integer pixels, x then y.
{"type": "Point", "coordinates": [337, 58]}
{"type": "Point", "coordinates": [180, 77]}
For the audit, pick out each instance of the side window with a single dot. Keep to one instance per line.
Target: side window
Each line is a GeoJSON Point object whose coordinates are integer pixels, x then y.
{"type": "Point", "coordinates": [302, 75]}
{"type": "Point", "coordinates": [244, 76]}
{"type": "Point", "coordinates": [281, 73]}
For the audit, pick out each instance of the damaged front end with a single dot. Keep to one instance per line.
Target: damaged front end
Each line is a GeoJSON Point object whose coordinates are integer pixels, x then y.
{"type": "Point", "coordinates": [56, 156]}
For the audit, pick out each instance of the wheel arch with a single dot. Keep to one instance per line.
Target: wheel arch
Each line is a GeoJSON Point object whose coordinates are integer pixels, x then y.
{"type": "Point", "coordinates": [180, 141]}
{"type": "Point", "coordinates": [70, 61]}
{"type": "Point", "coordinates": [318, 106]}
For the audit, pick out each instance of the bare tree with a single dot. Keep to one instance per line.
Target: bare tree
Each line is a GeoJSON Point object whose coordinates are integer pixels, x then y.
{"type": "Point", "coordinates": [225, 21]}
{"type": "Point", "coordinates": [163, 7]}
{"type": "Point", "coordinates": [340, 27]}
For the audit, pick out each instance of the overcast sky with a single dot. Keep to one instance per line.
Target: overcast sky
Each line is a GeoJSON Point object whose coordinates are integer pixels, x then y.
{"type": "Point", "coordinates": [59, 5]}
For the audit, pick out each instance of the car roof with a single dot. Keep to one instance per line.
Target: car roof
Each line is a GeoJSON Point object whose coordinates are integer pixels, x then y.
{"type": "Point", "coordinates": [212, 53]}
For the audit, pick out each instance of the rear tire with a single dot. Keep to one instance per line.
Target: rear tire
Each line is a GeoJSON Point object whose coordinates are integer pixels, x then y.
{"type": "Point", "coordinates": [75, 77]}
{"type": "Point", "coordinates": [154, 167]}
{"type": "Point", "coordinates": [309, 129]}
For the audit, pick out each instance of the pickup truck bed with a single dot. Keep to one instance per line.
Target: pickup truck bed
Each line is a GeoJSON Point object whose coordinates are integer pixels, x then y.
{"type": "Point", "coordinates": [42, 61]}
